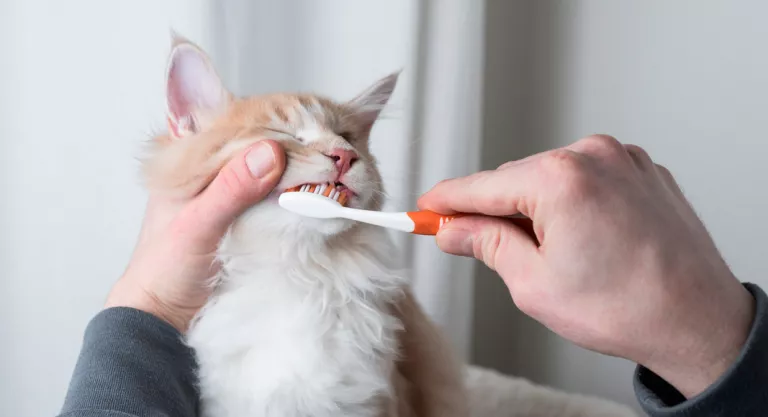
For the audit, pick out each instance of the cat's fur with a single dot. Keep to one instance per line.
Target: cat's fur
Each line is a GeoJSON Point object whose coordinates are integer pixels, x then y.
{"type": "Point", "coordinates": [309, 317]}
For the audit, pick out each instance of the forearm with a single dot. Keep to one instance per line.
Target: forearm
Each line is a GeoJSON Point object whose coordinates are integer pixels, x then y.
{"type": "Point", "coordinates": [132, 364]}
{"type": "Point", "coordinates": [735, 393]}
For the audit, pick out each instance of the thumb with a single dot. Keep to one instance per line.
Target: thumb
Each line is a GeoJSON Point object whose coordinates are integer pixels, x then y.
{"type": "Point", "coordinates": [500, 243]}
{"type": "Point", "coordinates": [246, 180]}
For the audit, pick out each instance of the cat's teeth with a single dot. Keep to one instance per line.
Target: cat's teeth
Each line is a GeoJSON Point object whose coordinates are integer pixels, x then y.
{"type": "Point", "coordinates": [328, 189]}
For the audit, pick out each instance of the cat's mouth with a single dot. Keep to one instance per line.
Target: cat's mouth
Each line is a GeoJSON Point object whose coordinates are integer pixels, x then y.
{"type": "Point", "coordinates": [336, 191]}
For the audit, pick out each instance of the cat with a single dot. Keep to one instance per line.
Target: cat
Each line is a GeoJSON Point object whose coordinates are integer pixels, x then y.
{"type": "Point", "coordinates": [308, 317]}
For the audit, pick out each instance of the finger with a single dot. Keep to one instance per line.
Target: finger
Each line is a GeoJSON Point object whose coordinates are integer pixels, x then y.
{"type": "Point", "coordinates": [504, 192]}
{"type": "Point", "coordinates": [596, 145]}
{"type": "Point", "coordinates": [244, 181]}
{"type": "Point", "coordinates": [494, 193]}
{"type": "Point", "coordinates": [499, 243]}
{"type": "Point", "coordinates": [527, 159]}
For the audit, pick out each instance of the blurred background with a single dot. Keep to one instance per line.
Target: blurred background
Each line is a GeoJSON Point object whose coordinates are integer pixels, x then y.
{"type": "Point", "coordinates": [81, 87]}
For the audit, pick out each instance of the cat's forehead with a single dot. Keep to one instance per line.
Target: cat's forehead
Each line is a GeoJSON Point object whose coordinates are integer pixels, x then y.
{"type": "Point", "coordinates": [293, 111]}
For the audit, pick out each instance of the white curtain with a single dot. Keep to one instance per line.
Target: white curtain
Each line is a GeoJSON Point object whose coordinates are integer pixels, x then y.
{"type": "Point", "coordinates": [82, 87]}
{"type": "Point", "coordinates": [447, 135]}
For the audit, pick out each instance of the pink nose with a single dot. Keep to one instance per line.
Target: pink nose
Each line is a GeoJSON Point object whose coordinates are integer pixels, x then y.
{"type": "Point", "coordinates": [343, 158]}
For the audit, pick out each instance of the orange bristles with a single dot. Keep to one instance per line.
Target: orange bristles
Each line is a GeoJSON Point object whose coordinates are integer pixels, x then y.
{"type": "Point", "coordinates": [328, 190]}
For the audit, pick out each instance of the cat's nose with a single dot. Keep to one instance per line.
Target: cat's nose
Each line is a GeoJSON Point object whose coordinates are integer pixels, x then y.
{"type": "Point", "coordinates": [343, 158]}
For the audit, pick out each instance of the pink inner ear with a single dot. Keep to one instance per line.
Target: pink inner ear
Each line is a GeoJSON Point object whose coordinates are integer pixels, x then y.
{"type": "Point", "coordinates": [177, 102]}
{"type": "Point", "coordinates": [173, 128]}
{"type": "Point", "coordinates": [192, 87]}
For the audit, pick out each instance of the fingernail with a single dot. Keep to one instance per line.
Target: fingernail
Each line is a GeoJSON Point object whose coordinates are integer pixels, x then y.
{"type": "Point", "coordinates": [455, 242]}
{"type": "Point", "coordinates": [260, 160]}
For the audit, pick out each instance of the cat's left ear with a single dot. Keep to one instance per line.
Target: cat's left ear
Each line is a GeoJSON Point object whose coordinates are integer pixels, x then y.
{"type": "Point", "coordinates": [194, 93]}
{"type": "Point", "coordinates": [370, 102]}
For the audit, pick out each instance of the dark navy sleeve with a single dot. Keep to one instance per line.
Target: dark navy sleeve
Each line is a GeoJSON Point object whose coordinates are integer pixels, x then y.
{"type": "Point", "coordinates": [132, 364]}
{"type": "Point", "coordinates": [741, 391]}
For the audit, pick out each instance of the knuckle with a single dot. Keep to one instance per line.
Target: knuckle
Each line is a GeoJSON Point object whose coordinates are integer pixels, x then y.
{"type": "Point", "coordinates": [635, 149]}
{"type": "Point", "coordinates": [566, 168]}
{"type": "Point", "coordinates": [602, 142]}
{"type": "Point", "coordinates": [638, 152]}
{"type": "Point", "coordinates": [663, 170]}
{"type": "Point", "coordinates": [602, 147]}
{"type": "Point", "coordinates": [560, 161]}
{"type": "Point", "coordinates": [667, 177]}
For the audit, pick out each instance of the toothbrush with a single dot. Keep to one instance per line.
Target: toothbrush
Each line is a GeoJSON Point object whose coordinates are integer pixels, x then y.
{"type": "Point", "coordinates": [326, 201]}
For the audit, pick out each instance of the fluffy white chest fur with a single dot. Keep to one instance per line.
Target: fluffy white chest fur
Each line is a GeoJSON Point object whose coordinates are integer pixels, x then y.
{"type": "Point", "coordinates": [310, 332]}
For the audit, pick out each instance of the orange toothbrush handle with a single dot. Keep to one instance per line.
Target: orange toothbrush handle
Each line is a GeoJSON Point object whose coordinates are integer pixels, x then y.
{"type": "Point", "coordinates": [429, 222]}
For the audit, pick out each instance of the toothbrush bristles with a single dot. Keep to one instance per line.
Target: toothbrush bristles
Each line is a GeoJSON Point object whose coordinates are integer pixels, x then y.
{"type": "Point", "coordinates": [329, 190]}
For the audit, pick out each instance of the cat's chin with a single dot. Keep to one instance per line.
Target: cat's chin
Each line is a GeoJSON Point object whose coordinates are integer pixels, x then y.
{"type": "Point", "coordinates": [326, 227]}
{"type": "Point", "coordinates": [268, 221]}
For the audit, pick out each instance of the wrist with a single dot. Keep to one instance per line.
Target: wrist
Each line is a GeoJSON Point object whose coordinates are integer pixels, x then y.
{"type": "Point", "coordinates": [139, 299]}
{"type": "Point", "coordinates": [694, 356]}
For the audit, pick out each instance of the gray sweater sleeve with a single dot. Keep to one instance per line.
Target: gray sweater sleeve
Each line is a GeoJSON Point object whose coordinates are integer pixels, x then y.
{"type": "Point", "coordinates": [739, 392]}
{"type": "Point", "coordinates": [132, 364]}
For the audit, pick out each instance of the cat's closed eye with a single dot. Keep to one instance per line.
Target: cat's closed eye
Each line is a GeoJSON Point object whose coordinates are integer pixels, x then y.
{"type": "Point", "coordinates": [346, 135]}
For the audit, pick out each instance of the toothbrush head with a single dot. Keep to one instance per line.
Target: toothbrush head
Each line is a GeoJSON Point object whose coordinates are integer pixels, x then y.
{"type": "Point", "coordinates": [335, 192]}
{"type": "Point", "coordinates": [322, 201]}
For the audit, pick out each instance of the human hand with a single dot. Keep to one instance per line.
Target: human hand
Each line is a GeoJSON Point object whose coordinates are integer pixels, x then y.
{"type": "Point", "coordinates": [169, 272]}
{"type": "Point", "coordinates": [623, 265]}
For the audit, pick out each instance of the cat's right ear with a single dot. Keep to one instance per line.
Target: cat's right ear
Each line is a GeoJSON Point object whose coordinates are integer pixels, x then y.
{"type": "Point", "coordinates": [195, 94]}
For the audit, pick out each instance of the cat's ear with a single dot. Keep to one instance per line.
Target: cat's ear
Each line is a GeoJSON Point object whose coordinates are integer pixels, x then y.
{"type": "Point", "coordinates": [370, 102]}
{"type": "Point", "coordinates": [194, 93]}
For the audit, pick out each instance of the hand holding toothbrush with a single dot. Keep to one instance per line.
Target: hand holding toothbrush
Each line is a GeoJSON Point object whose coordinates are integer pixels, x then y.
{"type": "Point", "coordinates": [622, 265]}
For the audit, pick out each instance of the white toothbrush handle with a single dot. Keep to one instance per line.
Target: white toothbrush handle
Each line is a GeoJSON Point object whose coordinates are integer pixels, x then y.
{"type": "Point", "coordinates": [397, 221]}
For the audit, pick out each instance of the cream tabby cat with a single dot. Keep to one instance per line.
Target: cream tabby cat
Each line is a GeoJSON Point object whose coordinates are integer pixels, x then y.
{"type": "Point", "coordinates": [308, 318]}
